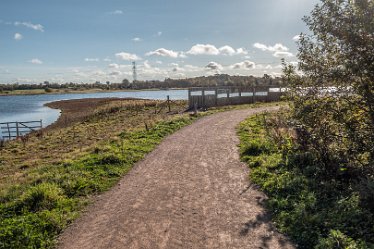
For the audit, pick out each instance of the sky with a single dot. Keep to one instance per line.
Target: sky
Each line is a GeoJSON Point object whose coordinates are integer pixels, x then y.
{"type": "Point", "coordinates": [97, 40]}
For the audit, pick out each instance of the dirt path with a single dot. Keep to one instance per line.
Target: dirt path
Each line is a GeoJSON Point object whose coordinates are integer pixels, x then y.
{"type": "Point", "coordinates": [191, 192]}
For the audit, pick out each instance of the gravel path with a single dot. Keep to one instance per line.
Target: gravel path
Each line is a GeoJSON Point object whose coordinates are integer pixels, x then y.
{"type": "Point", "coordinates": [192, 191]}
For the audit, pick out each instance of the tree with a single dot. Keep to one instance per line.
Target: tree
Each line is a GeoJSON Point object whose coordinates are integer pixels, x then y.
{"type": "Point", "coordinates": [125, 83]}
{"type": "Point", "coordinates": [333, 96]}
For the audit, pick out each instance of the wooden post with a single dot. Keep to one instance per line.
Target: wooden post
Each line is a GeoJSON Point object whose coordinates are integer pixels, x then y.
{"type": "Point", "coordinates": [254, 94]}
{"type": "Point", "coordinates": [168, 97]}
{"type": "Point", "coordinates": [189, 98]}
{"type": "Point", "coordinates": [240, 95]}
{"type": "Point", "coordinates": [41, 122]}
{"type": "Point", "coordinates": [17, 129]}
{"type": "Point", "coordinates": [203, 96]}
{"type": "Point", "coordinates": [7, 124]}
{"type": "Point", "coordinates": [216, 95]}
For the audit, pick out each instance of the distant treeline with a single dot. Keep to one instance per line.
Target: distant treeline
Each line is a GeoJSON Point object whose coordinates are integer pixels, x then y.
{"type": "Point", "coordinates": [216, 80]}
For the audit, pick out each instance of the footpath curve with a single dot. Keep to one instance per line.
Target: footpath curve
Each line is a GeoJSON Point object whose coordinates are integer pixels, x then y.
{"type": "Point", "coordinates": [192, 191]}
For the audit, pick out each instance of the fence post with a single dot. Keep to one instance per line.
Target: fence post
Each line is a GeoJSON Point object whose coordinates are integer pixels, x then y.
{"type": "Point", "coordinates": [203, 96]}
{"type": "Point", "coordinates": [41, 122]}
{"type": "Point", "coordinates": [240, 95]}
{"type": "Point", "coordinates": [216, 95]}
{"type": "Point", "coordinates": [189, 98]}
{"type": "Point", "coordinates": [17, 129]}
{"type": "Point", "coordinates": [7, 124]}
{"type": "Point", "coordinates": [254, 94]}
{"type": "Point", "coordinates": [168, 100]}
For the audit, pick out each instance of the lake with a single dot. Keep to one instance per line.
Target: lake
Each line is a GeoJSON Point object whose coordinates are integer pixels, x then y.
{"type": "Point", "coordinates": [31, 107]}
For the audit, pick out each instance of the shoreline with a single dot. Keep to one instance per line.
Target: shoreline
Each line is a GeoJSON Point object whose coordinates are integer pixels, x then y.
{"type": "Point", "coordinates": [75, 110]}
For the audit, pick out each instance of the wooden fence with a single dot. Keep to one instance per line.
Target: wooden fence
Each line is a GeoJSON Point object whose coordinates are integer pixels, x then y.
{"type": "Point", "coordinates": [204, 97]}
{"type": "Point", "coordinates": [10, 130]}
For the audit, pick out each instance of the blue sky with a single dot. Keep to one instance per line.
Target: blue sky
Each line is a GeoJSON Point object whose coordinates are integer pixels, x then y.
{"type": "Point", "coordinates": [86, 41]}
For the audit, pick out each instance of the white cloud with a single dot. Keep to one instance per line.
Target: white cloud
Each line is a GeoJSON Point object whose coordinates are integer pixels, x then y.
{"type": "Point", "coordinates": [244, 65]}
{"type": "Point", "coordinates": [147, 65]}
{"type": "Point", "coordinates": [282, 54]}
{"type": "Point", "coordinates": [164, 53]}
{"type": "Point", "coordinates": [266, 67]}
{"type": "Point", "coordinates": [203, 49]}
{"type": "Point", "coordinates": [214, 66]}
{"type": "Point", "coordinates": [107, 59]}
{"type": "Point", "coordinates": [208, 49]}
{"type": "Point", "coordinates": [159, 62]}
{"type": "Point", "coordinates": [18, 36]}
{"type": "Point", "coordinates": [116, 12]}
{"type": "Point", "coordinates": [37, 27]}
{"type": "Point", "coordinates": [137, 39]}
{"type": "Point", "coordinates": [91, 59]}
{"type": "Point", "coordinates": [241, 51]}
{"type": "Point", "coordinates": [115, 73]}
{"type": "Point", "coordinates": [182, 55]}
{"type": "Point", "coordinates": [127, 56]}
{"type": "Point", "coordinates": [159, 33]}
{"type": "Point", "coordinates": [278, 47]}
{"type": "Point", "coordinates": [296, 38]}
{"type": "Point", "coordinates": [114, 65]}
{"type": "Point", "coordinates": [98, 73]}
{"type": "Point", "coordinates": [192, 68]}
{"type": "Point", "coordinates": [227, 50]}
{"type": "Point", "coordinates": [36, 61]}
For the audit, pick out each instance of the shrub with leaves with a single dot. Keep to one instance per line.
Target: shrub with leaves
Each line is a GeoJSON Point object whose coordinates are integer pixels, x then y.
{"type": "Point", "coordinates": [332, 90]}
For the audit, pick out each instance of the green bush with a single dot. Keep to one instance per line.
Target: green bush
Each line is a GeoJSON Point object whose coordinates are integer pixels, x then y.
{"type": "Point", "coordinates": [313, 211]}
{"type": "Point", "coordinates": [338, 240]}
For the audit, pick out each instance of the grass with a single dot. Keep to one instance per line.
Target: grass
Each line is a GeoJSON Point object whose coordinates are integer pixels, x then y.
{"type": "Point", "coordinates": [46, 183]}
{"type": "Point", "coordinates": [312, 213]}
{"type": "Point", "coordinates": [33, 213]}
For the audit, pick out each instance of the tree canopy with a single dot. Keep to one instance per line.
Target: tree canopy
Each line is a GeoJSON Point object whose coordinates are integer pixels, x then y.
{"type": "Point", "coordinates": [333, 92]}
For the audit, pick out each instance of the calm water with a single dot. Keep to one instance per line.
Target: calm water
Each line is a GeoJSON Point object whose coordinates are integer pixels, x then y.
{"type": "Point", "coordinates": [31, 107]}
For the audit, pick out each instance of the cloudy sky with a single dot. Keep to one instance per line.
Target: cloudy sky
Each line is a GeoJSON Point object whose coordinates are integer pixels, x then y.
{"type": "Point", "coordinates": [90, 40]}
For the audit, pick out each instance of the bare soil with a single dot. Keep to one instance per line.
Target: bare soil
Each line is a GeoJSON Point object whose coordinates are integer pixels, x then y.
{"type": "Point", "coordinates": [192, 191]}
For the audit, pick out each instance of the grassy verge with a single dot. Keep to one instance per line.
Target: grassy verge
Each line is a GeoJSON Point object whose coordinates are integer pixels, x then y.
{"type": "Point", "coordinates": [313, 213]}
{"type": "Point", "coordinates": [47, 181]}
{"type": "Point", "coordinates": [33, 214]}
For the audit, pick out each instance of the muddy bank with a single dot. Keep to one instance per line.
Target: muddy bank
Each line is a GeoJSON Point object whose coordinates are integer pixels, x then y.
{"type": "Point", "coordinates": [77, 110]}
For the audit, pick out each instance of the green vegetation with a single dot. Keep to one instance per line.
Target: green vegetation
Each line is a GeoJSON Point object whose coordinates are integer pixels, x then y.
{"type": "Point", "coordinates": [215, 80]}
{"type": "Point", "coordinates": [314, 210]}
{"type": "Point", "coordinates": [47, 180]}
{"type": "Point", "coordinates": [336, 124]}
{"type": "Point", "coordinates": [33, 213]}
{"type": "Point", "coordinates": [316, 162]}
